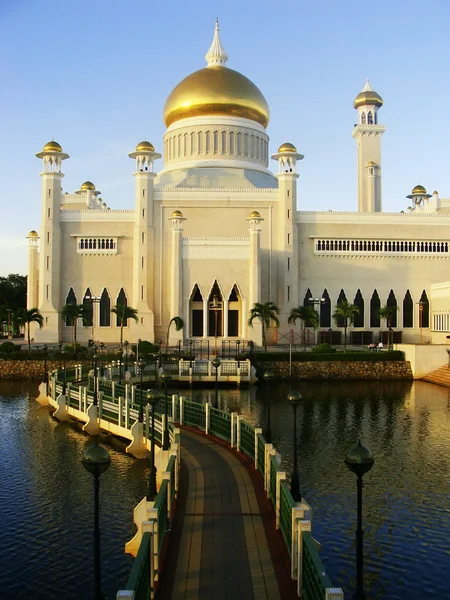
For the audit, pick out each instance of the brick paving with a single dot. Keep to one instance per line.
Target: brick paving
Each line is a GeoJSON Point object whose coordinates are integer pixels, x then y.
{"type": "Point", "coordinates": [223, 544]}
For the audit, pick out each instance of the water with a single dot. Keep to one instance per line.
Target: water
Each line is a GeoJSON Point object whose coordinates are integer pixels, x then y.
{"type": "Point", "coordinates": [46, 497]}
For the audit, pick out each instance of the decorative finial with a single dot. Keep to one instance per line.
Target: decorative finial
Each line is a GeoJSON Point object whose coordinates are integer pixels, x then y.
{"type": "Point", "coordinates": [216, 54]}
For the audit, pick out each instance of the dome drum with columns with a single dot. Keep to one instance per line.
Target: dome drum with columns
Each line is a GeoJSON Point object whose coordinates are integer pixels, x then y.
{"type": "Point", "coordinates": [214, 226]}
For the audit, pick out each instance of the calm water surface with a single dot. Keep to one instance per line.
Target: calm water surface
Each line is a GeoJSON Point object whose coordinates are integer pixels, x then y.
{"type": "Point", "coordinates": [46, 497]}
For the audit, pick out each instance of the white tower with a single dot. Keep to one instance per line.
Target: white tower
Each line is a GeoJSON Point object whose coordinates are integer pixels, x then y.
{"type": "Point", "coordinates": [33, 270]}
{"type": "Point", "coordinates": [368, 134]}
{"type": "Point", "coordinates": [50, 249]}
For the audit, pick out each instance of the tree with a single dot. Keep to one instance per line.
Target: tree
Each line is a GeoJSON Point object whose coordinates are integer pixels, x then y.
{"type": "Point", "coordinates": [123, 313]}
{"type": "Point", "coordinates": [345, 313]}
{"type": "Point", "coordinates": [71, 313]}
{"type": "Point", "coordinates": [267, 313]}
{"type": "Point", "coordinates": [13, 296]}
{"type": "Point", "coordinates": [305, 314]}
{"type": "Point", "coordinates": [387, 312]}
{"type": "Point", "coordinates": [179, 324]}
{"type": "Point", "coordinates": [26, 317]}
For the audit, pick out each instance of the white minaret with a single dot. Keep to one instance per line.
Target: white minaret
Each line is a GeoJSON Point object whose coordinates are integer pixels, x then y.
{"type": "Point", "coordinates": [367, 133]}
{"type": "Point", "coordinates": [254, 273]}
{"type": "Point", "coordinates": [176, 272]}
{"type": "Point", "coordinates": [33, 270]}
{"type": "Point", "coordinates": [143, 247]}
{"type": "Point", "coordinates": [286, 237]}
{"type": "Point", "coordinates": [50, 250]}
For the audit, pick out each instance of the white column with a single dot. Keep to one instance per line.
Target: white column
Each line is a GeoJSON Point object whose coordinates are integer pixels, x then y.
{"type": "Point", "coordinates": [225, 319]}
{"type": "Point", "coordinates": [205, 318]}
{"type": "Point", "coordinates": [187, 318]}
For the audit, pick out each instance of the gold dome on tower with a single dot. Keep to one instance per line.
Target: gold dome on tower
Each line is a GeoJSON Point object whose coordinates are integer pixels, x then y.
{"type": "Point", "coordinates": [287, 147]}
{"type": "Point", "coordinates": [419, 189]}
{"type": "Point", "coordinates": [177, 213]}
{"type": "Point", "coordinates": [52, 147]}
{"type": "Point", "coordinates": [216, 90]}
{"type": "Point", "coordinates": [33, 234]}
{"type": "Point", "coordinates": [88, 185]}
{"type": "Point", "coordinates": [368, 97]}
{"type": "Point", "coordinates": [145, 147]}
{"type": "Point", "coordinates": [255, 215]}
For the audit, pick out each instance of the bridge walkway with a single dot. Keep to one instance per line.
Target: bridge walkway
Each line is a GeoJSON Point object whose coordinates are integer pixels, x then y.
{"type": "Point", "coordinates": [223, 543]}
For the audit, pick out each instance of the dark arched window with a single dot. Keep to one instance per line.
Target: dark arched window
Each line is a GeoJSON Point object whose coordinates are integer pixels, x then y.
{"type": "Point", "coordinates": [197, 295]}
{"type": "Point", "coordinates": [375, 305]}
{"type": "Point", "coordinates": [71, 299]}
{"type": "Point", "coordinates": [369, 118]}
{"type": "Point", "coordinates": [121, 299]}
{"type": "Point", "coordinates": [105, 309]}
{"type": "Point", "coordinates": [363, 118]}
{"type": "Point", "coordinates": [307, 301]}
{"type": "Point", "coordinates": [340, 322]}
{"type": "Point", "coordinates": [325, 310]}
{"type": "Point", "coordinates": [359, 302]}
{"type": "Point", "coordinates": [425, 309]}
{"type": "Point", "coordinates": [408, 310]}
{"type": "Point", "coordinates": [392, 301]}
{"type": "Point", "coordinates": [87, 308]}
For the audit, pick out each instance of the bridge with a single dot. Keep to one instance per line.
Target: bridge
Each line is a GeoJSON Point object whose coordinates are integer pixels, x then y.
{"type": "Point", "coordinates": [223, 523]}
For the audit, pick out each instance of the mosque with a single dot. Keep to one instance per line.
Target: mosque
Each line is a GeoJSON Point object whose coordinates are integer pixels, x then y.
{"type": "Point", "coordinates": [215, 230]}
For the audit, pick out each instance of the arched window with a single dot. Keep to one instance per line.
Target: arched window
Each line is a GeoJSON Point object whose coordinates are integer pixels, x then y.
{"type": "Point", "coordinates": [207, 142]}
{"type": "Point", "coordinates": [375, 305]}
{"type": "Point", "coordinates": [340, 321]}
{"type": "Point", "coordinates": [197, 295]}
{"type": "Point", "coordinates": [232, 142]}
{"type": "Point", "coordinates": [392, 301]}
{"type": "Point", "coordinates": [224, 142]}
{"type": "Point", "coordinates": [245, 144]}
{"type": "Point", "coordinates": [369, 118]}
{"type": "Point", "coordinates": [425, 309]}
{"type": "Point", "coordinates": [359, 302]}
{"type": "Point", "coordinates": [239, 143]}
{"type": "Point", "coordinates": [307, 302]}
{"type": "Point", "coordinates": [363, 118]}
{"type": "Point", "coordinates": [71, 299]}
{"type": "Point", "coordinates": [121, 299]}
{"type": "Point", "coordinates": [215, 142]}
{"type": "Point", "coordinates": [200, 142]}
{"type": "Point", "coordinates": [192, 142]}
{"type": "Point", "coordinates": [87, 308]}
{"type": "Point", "coordinates": [105, 309]}
{"type": "Point", "coordinates": [325, 310]}
{"type": "Point", "coordinates": [408, 310]}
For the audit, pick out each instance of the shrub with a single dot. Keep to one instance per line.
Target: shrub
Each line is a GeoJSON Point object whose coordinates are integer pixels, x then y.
{"type": "Point", "coordinates": [336, 357]}
{"type": "Point", "coordinates": [146, 348]}
{"type": "Point", "coordinates": [324, 349]}
{"type": "Point", "coordinates": [8, 347]}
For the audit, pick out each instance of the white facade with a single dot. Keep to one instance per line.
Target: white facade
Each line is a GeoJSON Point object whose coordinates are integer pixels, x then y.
{"type": "Point", "coordinates": [214, 231]}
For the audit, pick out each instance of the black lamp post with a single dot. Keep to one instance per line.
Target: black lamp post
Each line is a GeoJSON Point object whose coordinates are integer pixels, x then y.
{"type": "Point", "coordinates": [95, 358]}
{"type": "Point", "coordinates": [268, 376]}
{"type": "Point", "coordinates": [119, 354]}
{"type": "Point", "coordinates": [238, 344]}
{"type": "Point", "coordinates": [152, 398]}
{"type": "Point", "coordinates": [156, 370]}
{"type": "Point", "coordinates": [294, 399]}
{"type": "Point", "coordinates": [65, 373]}
{"type": "Point", "coordinates": [102, 361]}
{"type": "Point", "coordinates": [60, 354]}
{"type": "Point", "coordinates": [125, 359]}
{"type": "Point", "coordinates": [216, 364]}
{"type": "Point", "coordinates": [137, 349]}
{"type": "Point", "coordinates": [44, 348]}
{"type": "Point", "coordinates": [360, 461]}
{"type": "Point", "coordinates": [96, 460]}
{"type": "Point", "coordinates": [166, 377]}
{"type": "Point", "coordinates": [141, 365]}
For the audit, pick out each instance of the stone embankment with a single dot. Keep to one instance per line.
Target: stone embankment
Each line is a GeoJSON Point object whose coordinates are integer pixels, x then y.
{"type": "Point", "coordinates": [29, 369]}
{"type": "Point", "coordinates": [342, 370]}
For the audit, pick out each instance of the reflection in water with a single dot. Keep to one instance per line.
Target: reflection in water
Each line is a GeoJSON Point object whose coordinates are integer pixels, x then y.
{"type": "Point", "coordinates": [46, 496]}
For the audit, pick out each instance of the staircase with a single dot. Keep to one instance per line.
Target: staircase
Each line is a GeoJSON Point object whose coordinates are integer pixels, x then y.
{"type": "Point", "coordinates": [440, 376]}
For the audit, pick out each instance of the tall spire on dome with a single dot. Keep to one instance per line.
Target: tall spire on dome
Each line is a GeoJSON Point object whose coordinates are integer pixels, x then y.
{"type": "Point", "coordinates": [216, 54]}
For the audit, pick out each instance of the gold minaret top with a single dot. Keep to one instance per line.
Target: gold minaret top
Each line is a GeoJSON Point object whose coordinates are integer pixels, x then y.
{"type": "Point", "coordinates": [216, 90]}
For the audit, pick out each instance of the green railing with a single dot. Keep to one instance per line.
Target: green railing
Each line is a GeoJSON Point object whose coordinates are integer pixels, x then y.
{"type": "Point", "coordinates": [139, 579]}
{"type": "Point", "coordinates": [163, 519]}
{"type": "Point", "coordinates": [261, 454]}
{"type": "Point", "coordinates": [315, 581]}
{"type": "Point", "coordinates": [248, 439]}
{"type": "Point", "coordinates": [287, 503]}
{"type": "Point", "coordinates": [194, 415]}
{"type": "Point", "coordinates": [220, 424]}
{"type": "Point", "coordinates": [273, 480]}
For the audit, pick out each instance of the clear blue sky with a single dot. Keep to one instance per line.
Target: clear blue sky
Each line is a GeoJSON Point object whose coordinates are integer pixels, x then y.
{"type": "Point", "coordinates": [94, 75]}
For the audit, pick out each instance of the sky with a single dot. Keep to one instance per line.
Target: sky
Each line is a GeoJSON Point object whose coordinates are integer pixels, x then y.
{"type": "Point", "coordinates": [94, 75]}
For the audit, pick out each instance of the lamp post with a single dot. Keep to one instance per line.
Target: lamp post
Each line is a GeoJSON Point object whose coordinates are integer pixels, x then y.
{"type": "Point", "coordinates": [93, 300]}
{"type": "Point", "coordinates": [44, 348]}
{"type": "Point", "coordinates": [60, 355]}
{"type": "Point", "coordinates": [359, 460]}
{"type": "Point", "coordinates": [420, 303]}
{"type": "Point", "coordinates": [119, 354]}
{"type": "Point", "coordinates": [141, 365]}
{"type": "Point", "coordinates": [152, 398]}
{"type": "Point", "coordinates": [96, 460]}
{"type": "Point", "coordinates": [215, 306]}
{"type": "Point", "coordinates": [216, 364]}
{"type": "Point", "coordinates": [316, 302]}
{"type": "Point", "coordinates": [125, 367]}
{"type": "Point", "coordinates": [166, 377]}
{"type": "Point", "coordinates": [238, 344]}
{"type": "Point", "coordinates": [95, 358]}
{"type": "Point", "coordinates": [268, 376]}
{"type": "Point", "coordinates": [102, 354]}
{"type": "Point", "coordinates": [294, 399]}
{"type": "Point", "coordinates": [65, 374]}
{"type": "Point", "coordinates": [137, 349]}
{"type": "Point", "coordinates": [9, 333]}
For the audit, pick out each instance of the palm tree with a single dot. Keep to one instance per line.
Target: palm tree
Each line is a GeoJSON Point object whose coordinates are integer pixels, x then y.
{"type": "Point", "coordinates": [179, 324]}
{"type": "Point", "coordinates": [386, 312]}
{"type": "Point", "coordinates": [306, 314]}
{"type": "Point", "coordinates": [25, 317]}
{"type": "Point", "coordinates": [71, 313]}
{"type": "Point", "coordinates": [267, 313]}
{"type": "Point", "coordinates": [123, 313]}
{"type": "Point", "coordinates": [345, 315]}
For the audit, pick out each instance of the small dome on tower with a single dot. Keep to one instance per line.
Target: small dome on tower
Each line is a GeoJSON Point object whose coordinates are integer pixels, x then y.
{"type": "Point", "coordinates": [435, 193]}
{"type": "Point", "coordinates": [52, 147]}
{"type": "Point", "coordinates": [88, 185]}
{"type": "Point", "coordinates": [177, 213]}
{"type": "Point", "coordinates": [33, 234]}
{"type": "Point", "coordinates": [145, 147]}
{"type": "Point", "coordinates": [419, 189]}
{"type": "Point", "coordinates": [368, 97]}
{"type": "Point", "coordinates": [287, 147]}
{"type": "Point", "coordinates": [255, 215]}
{"type": "Point", "coordinates": [371, 163]}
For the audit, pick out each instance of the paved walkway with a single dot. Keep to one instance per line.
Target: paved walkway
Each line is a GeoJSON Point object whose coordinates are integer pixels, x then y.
{"type": "Point", "coordinates": [223, 540]}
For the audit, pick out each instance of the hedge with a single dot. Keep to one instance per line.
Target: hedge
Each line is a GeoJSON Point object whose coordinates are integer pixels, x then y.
{"type": "Point", "coordinates": [384, 356]}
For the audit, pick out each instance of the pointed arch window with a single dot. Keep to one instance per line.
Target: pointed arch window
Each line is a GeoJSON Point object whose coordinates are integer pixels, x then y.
{"type": "Point", "coordinates": [369, 118]}
{"type": "Point", "coordinates": [425, 309]}
{"type": "Point", "coordinates": [121, 299]}
{"type": "Point", "coordinates": [215, 304]}
{"type": "Point", "coordinates": [87, 308]}
{"type": "Point", "coordinates": [307, 302]}
{"type": "Point", "coordinates": [408, 310]}
{"type": "Point", "coordinates": [325, 310]}
{"type": "Point", "coordinates": [340, 321]}
{"type": "Point", "coordinates": [359, 302]}
{"type": "Point", "coordinates": [363, 118]}
{"type": "Point", "coordinates": [70, 299]}
{"type": "Point", "coordinates": [105, 309]}
{"type": "Point", "coordinates": [392, 301]}
{"type": "Point", "coordinates": [375, 306]}
{"type": "Point", "coordinates": [233, 297]}
{"type": "Point", "coordinates": [197, 295]}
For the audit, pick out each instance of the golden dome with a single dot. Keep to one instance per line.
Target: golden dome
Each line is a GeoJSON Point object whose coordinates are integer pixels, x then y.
{"type": "Point", "coordinates": [33, 234]}
{"type": "Point", "coordinates": [177, 213]}
{"type": "Point", "coordinates": [255, 215]}
{"type": "Point", "coordinates": [419, 189]}
{"type": "Point", "coordinates": [371, 164]}
{"type": "Point", "coordinates": [88, 185]}
{"type": "Point", "coordinates": [52, 147]}
{"type": "Point", "coordinates": [435, 193]}
{"type": "Point", "coordinates": [368, 97]}
{"type": "Point", "coordinates": [145, 147]}
{"type": "Point", "coordinates": [216, 90]}
{"type": "Point", "coordinates": [287, 147]}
